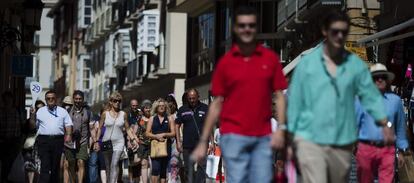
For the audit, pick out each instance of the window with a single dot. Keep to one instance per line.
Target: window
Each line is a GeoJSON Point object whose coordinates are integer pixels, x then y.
{"type": "Point", "coordinates": [87, 20]}
{"type": "Point", "coordinates": [88, 11]}
{"type": "Point", "coordinates": [151, 45]}
{"type": "Point", "coordinates": [151, 24]}
{"type": "Point", "coordinates": [151, 18]}
{"type": "Point", "coordinates": [151, 32]}
{"type": "Point", "coordinates": [152, 39]}
{"type": "Point", "coordinates": [88, 2]}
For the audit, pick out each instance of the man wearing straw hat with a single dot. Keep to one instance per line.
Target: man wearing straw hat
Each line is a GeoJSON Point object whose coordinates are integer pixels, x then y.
{"type": "Point", "coordinates": [372, 154]}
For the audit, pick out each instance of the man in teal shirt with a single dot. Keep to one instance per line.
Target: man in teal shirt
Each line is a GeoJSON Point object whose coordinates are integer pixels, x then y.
{"type": "Point", "coordinates": [321, 111]}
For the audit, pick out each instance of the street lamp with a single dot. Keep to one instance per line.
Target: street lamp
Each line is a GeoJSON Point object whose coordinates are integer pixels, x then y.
{"type": "Point", "coordinates": [33, 13]}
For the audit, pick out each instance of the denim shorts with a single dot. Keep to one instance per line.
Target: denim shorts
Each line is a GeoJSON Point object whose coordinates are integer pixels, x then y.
{"type": "Point", "coordinates": [247, 159]}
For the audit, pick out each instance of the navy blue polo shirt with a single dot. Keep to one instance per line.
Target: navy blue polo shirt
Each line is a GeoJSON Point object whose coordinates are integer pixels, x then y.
{"type": "Point", "coordinates": [189, 117]}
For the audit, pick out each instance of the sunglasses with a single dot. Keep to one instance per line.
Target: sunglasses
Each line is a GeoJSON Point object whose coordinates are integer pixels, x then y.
{"type": "Point", "coordinates": [380, 77]}
{"type": "Point", "coordinates": [50, 98]}
{"type": "Point", "coordinates": [335, 32]}
{"type": "Point", "coordinates": [246, 25]}
{"type": "Point", "coordinates": [116, 101]}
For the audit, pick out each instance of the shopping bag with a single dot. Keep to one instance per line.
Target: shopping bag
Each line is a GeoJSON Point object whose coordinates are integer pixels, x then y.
{"type": "Point", "coordinates": [406, 172]}
{"type": "Point", "coordinates": [212, 166]}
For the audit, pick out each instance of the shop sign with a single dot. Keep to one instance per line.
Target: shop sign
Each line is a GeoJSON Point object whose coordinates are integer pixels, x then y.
{"type": "Point", "coordinates": [358, 50]}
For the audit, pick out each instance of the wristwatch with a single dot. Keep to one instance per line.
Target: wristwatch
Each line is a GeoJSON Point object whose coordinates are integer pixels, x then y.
{"type": "Point", "coordinates": [388, 124]}
{"type": "Point", "coordinates": [282, 127]}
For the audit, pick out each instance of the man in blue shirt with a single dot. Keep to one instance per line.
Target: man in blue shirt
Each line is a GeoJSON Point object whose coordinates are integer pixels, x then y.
{"type": "Point", "coordinates": [373, 155]}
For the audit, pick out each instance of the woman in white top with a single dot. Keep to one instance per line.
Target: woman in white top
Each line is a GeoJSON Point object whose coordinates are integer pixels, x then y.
{"type": "Point", "coordinates": [115, 120]}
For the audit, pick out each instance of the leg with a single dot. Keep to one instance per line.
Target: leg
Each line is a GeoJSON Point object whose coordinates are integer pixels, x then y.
{"type": "Point", "coordinates": [311, 161]}
{"type": "Point", "coordinates": [93, 167]}
{"type": "Point", "coordinates": [386, 165]}
{"type": "Point", "coordinates": [164, 167]}
{"type": "Point", "coordinates": [103, 176]}
{"type": "Point", "coordinates": [365, 163]}
{"type": "Point", "coordinates": [339, 163]}
{"type": "Point", "coordinates": [261, 167]}
{"type": "Point", "coordinates": [45, 157]}
{"type": "Point", "coordinates": [236, 153]}
{"type": "Point", "coordinates": [201, 172]}
{"type": "Point", "coordinates": [81, 170]}
{"type": "Point", "coordinates": [81, 157]}
{"type": "Point", "coordinates": [188, 166]}
{"type": "Point", "coordinates": [108, 158]}
{"type": "Point", "coordinates": [56, 155]}
{"type": "Point", "coordinates": [66, 175]}
{"type": "Point", "coordinates": [144, 171]}
{"type": "Point", "coordinates": [113, 176]}
{"type": "Point", "coordinates": [69, 166]}
{"type": "Point", "coordinates": [156, 169]}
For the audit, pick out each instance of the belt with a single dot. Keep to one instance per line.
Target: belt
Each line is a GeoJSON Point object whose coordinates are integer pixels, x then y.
{"type": "Point", "coordinates": [373, 143]}
{"type": "Point", "coordinates": [51, 136]}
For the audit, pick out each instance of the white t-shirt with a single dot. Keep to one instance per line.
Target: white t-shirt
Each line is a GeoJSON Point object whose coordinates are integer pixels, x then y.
{"type": "Point", "coordinates": [52, 122]}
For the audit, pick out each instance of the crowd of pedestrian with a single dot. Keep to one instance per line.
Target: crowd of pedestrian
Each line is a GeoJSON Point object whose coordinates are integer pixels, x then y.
{"type": "Point", "coordinates": [337, 108]}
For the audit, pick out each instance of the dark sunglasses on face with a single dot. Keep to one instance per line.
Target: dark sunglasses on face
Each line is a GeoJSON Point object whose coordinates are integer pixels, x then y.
{"type": "Point", "coordinates": [382, 77]}
{"type": "Point", "coordinates": [244, 25]}
{"type": "Point", "coordinates": [116, 101]}
{"type": "Point", "coordinates": [335, 32]}
{"type": "Point", "coordinates": [50, 98]}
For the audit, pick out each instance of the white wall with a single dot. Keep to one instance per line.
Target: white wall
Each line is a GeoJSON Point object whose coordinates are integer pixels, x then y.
{"type": "Point", "coordinates": [176, 42]}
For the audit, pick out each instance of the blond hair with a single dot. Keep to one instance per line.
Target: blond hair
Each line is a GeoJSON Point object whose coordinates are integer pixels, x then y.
{"type": "Point", "coordinates": [114, 96]}
{"type": "Point", "coordinates": [156, 104]}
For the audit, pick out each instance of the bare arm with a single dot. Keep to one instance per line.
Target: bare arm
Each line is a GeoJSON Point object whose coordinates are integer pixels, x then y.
{"type": "Point", "coordinates": [101, 123]}
{"type": "Point", "coordinates": [178, 133]}
{"type": "Point", "coordinates": [148, 131]}
{"type": "Point", "coordinates": [32, 119]}
{"type": "Point", "coordinates": [172, 132]}
{"type": "Point", "coordinates": [212, 118]}
{"type": "Point", "coordinates": [280, 107]}
{"type": "Point", "coordinates": [129, 130]}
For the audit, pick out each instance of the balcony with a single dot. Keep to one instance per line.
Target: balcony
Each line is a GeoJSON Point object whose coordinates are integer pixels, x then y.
{"type": "Point", "coordinates": [192, 7]}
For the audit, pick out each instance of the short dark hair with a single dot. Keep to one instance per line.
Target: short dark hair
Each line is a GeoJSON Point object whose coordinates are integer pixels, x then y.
{"type": "Point", "coordinates": [50, 92]}
{"type": "Point", "coordinates": [78, 92]}
{"type": "Point", "coordinates": [244, 10]}
{"type": "Point", "coordinates": [334, 16]}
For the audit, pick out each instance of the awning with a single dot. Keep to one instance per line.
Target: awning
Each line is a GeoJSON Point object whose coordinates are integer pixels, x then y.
{"type": "Point", "coordinates": [374, 39]}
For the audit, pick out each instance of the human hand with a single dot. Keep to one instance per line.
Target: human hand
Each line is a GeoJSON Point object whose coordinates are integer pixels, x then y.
{"type": "Point", "coordinates": [199, 153]}
{"type": "Point", "coordinates": [278, 140]}
{"type": "Point", "coordinates": [96, 146]}
{"type": "Point", "coordinates": [401, 160]}
{"type": "Point", "coordinates": [160, 137]}
{"type": "Point", "coordinates": [180, 147]}
{"type": "Point", "coordinates": [389, 137]}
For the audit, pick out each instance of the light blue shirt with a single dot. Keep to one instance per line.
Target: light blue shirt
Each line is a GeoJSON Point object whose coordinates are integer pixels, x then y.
{"type": "Point", "coordinates": [368, 130]}
{"type": "Point", "coordinates": [321, 108]}
{"type": "Point", "coordinates": [52, 122]}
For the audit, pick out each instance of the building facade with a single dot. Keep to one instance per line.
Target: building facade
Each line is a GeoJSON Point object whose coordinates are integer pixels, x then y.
{"type": "Point", "coordinates": [20, 19]}
{"type": "Point", "coordinates": [43, 69]}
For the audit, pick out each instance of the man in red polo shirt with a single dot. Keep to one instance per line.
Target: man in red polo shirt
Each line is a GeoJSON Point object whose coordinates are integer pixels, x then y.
{"type": "Point", "coordinates": [243, 83]}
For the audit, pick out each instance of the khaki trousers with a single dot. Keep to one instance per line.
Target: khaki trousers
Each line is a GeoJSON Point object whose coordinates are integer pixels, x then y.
{"type": "Point", "coordinates": [323, 164]}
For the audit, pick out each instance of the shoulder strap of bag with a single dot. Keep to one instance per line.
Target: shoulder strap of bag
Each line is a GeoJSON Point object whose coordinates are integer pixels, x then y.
{"type": "Point", "coordinates": [195, 122]}
{"type": "Point", "coordinates": [114, 122]}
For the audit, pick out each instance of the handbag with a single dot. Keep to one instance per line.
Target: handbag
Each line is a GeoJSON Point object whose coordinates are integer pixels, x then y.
{"type": "Point", "coordinates": [107, 145]}
{"type": "Point", "coordinates": [406, 172]}
{"type": "Point", "coordinates": [158, 149]}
